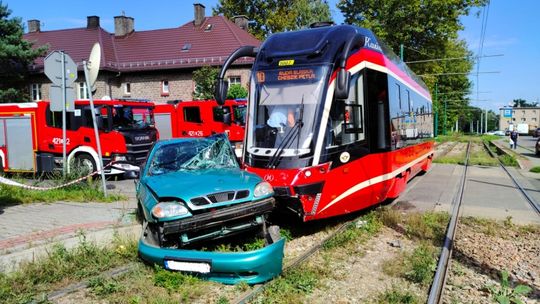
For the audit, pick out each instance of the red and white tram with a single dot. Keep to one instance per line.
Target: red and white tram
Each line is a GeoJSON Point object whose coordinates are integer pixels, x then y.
{"type": "Point", "coordinates": [336, 122]}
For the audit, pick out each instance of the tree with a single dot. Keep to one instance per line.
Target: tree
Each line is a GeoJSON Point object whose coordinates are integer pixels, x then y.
{"type": "Point", "coordinates": [523, 103]}
{"type": "Point", "coordinates": [427, 30]}
{"type": "Point", "coordinates": [273, 16]}
{"type": "Point", "coordinates": [236, 91]}
{"type": "Point", "coordinates": [205, 82]}
{"type": "Point", "coordinates": [16, 54]}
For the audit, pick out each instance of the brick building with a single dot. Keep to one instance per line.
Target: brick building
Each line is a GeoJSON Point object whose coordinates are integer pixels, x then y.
{"type": "Point", "coordinates": [155, 64]}
{"type": "Point", "coordinates": [519, 115]}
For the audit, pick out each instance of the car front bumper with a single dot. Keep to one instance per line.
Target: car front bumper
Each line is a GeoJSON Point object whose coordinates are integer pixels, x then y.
{"type": "Point", "coordinates": [252, 267]}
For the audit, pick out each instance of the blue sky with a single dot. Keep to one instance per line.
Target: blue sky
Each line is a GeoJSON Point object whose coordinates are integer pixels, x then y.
{"type": "Point", "coordinates": [512, 30]}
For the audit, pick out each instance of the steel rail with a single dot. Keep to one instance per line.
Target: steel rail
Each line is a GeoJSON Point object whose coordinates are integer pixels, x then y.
{"type": "Point", "coordinates": [439, 280]}
{"type": "Point", "coordinates": [250, 295]}
{"type": "Point", "coordinates": [534, 204]}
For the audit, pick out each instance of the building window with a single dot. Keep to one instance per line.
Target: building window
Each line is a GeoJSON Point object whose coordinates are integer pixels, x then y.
{"type": "Point", "coordinates": [235, 80]}
{"type": "Point", "coordinates": [36, 91]}
{"type": "Point", "coordinates": [513, 119]}
{"type": "Point", "coordinates": [165, 88]}
{"type": "Point", "coordinates": [127, 88]}
{"type": "Point", "coordinates": [523, 119]}
{"type": "Point", "coordinates": [83, 91]}
{"type": "Point", "coordinates": [533, 119]}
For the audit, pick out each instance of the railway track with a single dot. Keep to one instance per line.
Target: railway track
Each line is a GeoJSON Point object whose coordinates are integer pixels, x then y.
{"type": "Point", "coordinates": [443, 266]}
{"type": "Point", "coordinates": [534, 204]}
{"type": "Point", "coordinates": [437, 287]}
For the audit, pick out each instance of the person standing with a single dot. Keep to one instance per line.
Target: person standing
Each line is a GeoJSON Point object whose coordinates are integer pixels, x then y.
{"type": "Point", "coordinates": [514, 137]}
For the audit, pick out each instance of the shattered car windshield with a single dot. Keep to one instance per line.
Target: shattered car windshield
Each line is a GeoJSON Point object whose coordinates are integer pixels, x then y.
{"type": "Point", "coordinates": [194, 154]}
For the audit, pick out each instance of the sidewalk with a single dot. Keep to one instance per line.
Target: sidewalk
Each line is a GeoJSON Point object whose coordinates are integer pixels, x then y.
{"type": "Point", "coordinates": [27, 230]}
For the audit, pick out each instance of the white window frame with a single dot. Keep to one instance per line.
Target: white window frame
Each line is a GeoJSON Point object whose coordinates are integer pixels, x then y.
{"type": "Point", "coordinates": [83, 92]}
{"type": "Point", "coordinates": [35, 91]}
{"type": "Point", "coordinates": [165, 88]}
{"type": "Point", "coordinates": [127, 88]}
{"type": "Point", "coordinates": [237, 80]}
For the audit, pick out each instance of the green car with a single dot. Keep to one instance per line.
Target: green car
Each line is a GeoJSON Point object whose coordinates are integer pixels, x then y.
{"type": "Point", "coordinates": [192, 190]}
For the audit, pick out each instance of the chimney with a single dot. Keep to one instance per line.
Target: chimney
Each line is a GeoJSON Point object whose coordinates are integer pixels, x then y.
{"type": "Point", "coordinates": [33, 26]}
{"type": "Point", "coordinates": [92, 22]}
{"type": "Point", "coordinates": [123, 25]}
{"type": "Point", "coordinates": [199, 14]}
{"type": "Point", "coordinates": [241, 21]}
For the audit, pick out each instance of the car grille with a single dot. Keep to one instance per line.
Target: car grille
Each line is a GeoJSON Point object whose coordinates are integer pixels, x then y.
{"type": "Point", "coordinates": [219, 197]}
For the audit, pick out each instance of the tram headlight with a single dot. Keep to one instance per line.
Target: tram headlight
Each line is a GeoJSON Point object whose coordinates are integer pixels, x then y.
{"type": "Point", "coordinates": [263, 189]}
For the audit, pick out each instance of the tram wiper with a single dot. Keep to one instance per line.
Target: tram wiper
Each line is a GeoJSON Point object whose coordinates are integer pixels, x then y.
{"type": "Point", "coordinates": [295, 131]}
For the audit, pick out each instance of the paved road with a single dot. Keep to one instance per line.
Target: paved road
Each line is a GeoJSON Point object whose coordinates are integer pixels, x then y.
{"type": "Point", "coordinates": [489, 193]}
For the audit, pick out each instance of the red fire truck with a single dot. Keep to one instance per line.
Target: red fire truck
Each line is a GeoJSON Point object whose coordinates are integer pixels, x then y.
{"type": "Point", "coordinates": [31, 136]}
{"type": "Point", "coordinates": [202, 118]}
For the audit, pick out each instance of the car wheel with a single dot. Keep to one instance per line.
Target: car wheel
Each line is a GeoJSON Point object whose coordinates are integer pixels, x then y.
{"type": "Point", "coordinates": [84, 164]}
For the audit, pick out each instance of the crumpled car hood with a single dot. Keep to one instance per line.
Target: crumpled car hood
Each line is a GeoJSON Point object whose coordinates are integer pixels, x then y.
{"type": "Point", "coordinates": [189, 184]}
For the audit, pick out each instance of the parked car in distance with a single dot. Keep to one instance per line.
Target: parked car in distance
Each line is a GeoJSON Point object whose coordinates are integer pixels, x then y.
{"type": "Point", "coordinates": [192, 190]}
{"type": "Point", "coordinates": [499, 133]}
{"type": "Point", "coordinates": [536, 132]}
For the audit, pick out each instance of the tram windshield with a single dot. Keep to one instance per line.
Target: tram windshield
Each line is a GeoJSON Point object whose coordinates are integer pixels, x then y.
{"type": "Point", "coordinates": [284, 111]}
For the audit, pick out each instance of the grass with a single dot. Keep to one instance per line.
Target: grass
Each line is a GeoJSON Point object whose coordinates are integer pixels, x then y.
{"type": "Point", "coordinates": [11, 195]}
{"type": "Point", "coordinates": [419, 226]}
{"type": "Point", "coordinates": [366, 227]}
{"type": "Point", "coordinates": [535, 169]}
{"type": "Point", "coordinates": [397, 295]}
{"type": "Point", "coordinates": [417, 266]}
{"type": "Point", "coordinates": [292, 287]}
{"type": "Point", "coordinates": [33, 280]}
{"type": "Point", "coordinates": [508, 160]}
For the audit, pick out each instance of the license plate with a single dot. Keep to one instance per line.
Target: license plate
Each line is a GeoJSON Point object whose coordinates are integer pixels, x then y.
{"type": "Point", "coordinates": [199, 267]}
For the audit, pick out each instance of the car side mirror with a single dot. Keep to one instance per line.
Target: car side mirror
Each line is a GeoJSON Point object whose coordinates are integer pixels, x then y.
{"type": "Point", "coordinates": [342, 84]}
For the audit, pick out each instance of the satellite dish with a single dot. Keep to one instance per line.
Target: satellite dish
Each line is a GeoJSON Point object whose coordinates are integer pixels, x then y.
{"type": "Point", "coordinates": [93, 64]}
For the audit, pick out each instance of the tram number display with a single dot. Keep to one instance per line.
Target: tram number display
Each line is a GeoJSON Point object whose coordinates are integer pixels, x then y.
{"type": "Point", "coordinates": [302, 74]}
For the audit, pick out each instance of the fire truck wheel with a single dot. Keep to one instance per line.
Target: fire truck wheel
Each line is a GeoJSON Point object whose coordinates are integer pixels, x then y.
{"type": "Point", "coordinates": [85, 164]}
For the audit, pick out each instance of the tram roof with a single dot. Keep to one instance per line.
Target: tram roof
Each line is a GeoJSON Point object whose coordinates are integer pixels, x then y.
{"type": "Point", "coordinates": [326, 42]}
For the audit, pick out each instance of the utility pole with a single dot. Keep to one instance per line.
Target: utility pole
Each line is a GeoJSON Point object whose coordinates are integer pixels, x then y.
{"type": "Point", "coordinates": [401, 51]}
{"type": "Point", "coordinates": [444, 122]}
{"type": "Point", "coordinates": [436, 124]}
{"type": "Point", "coordinates": [481, 121]}
{"type": "Point", "coordinates": [486, 128]}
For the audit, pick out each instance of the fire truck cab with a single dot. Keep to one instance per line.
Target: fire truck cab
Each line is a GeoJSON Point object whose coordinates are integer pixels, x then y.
{"type": "Point", "coordinates": [202, 118]}
{"type": "Point", "coordinates": [31, 136]}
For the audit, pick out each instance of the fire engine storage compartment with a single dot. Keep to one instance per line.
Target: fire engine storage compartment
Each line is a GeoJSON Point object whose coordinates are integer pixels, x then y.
{"type": "Point", "coordinates": [14, 138]}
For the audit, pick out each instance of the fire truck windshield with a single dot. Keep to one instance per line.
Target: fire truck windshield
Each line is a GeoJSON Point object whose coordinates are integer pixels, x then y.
{"type": "Point", "coordinates": [128, 117]}
{"type": "Point", "coordinates": [285, 109]}
{"type": "Point", "coordinates": [240, 114]}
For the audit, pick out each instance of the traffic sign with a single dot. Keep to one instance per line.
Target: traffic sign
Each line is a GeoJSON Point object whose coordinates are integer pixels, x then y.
{"type": "Point", "coordinates": [53, 68]}
{"type": "Point", "coordinates": [55, 95]}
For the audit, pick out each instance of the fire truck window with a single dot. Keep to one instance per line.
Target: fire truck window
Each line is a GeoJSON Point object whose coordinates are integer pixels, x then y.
{"type": "Point", "coordinates": [218, 113]}
{"type": "Point", "coordinates": [54, 119]}
{"type": "Point", "coordinates": [192, 114]}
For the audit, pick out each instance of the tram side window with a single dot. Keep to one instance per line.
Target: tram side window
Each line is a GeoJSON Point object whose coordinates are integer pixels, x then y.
{"type": "Point", "coordinates": [192, 114]}
{"type": "Point", "coordinates": [346, 121]}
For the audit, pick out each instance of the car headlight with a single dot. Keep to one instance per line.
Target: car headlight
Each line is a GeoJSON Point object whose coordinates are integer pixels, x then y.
{"type": "Point", "coordinates": [169, 209]}
{"type": "Point", "coordinates": [263, 189]}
